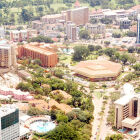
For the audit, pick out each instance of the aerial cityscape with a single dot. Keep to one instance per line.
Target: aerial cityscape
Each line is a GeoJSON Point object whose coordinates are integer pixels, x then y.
{"type": "Point", "coordinates": [69, 70]}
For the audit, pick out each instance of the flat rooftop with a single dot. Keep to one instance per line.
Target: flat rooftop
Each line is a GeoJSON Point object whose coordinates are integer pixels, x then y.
{"type": "Point", "coordinates": [98, 68]}
{"type": "Point", "coordinates": [124, 100]}
{"type": "Point", "coordinates": [37, 48]}
{"type": "Point", "coordinates": [52, 16]}
{"type": "Point", "coordinates": [7, 109]}
{"type": "Point", "coordinates": [4, 44]}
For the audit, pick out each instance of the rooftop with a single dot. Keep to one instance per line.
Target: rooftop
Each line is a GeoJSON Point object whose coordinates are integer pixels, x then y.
{"type": "Point", "coordinates": [98, 68]}
{"type": "Point", "coordinates": [38, 47]}
{"type": "Point", "coordinates": [52, 16]}
{"type": "Point", "coordinates": [7, 109]}
{"type": "Point", "coordinates": [4, 44]}
{"type": "Point", "coordinates": [79, 8]}
{"type": "Point", "coordinates": [124, 100]}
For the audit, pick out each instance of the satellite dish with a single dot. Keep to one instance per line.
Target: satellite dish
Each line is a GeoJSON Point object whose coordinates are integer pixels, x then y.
{"type": "Point", "coordinates": [128, 89]}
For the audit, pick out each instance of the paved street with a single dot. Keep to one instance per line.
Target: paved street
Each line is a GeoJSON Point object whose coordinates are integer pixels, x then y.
{"type": "Point", "coordinates": [97, 108]}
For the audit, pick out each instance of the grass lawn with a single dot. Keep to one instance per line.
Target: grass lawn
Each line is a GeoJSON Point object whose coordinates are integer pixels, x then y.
{"type": "Point", "coordinates": [65, 59]}
{"type": "Point", "coordinates": [122, 75]}
{"type": "Point", "coordinates": [92, 57]}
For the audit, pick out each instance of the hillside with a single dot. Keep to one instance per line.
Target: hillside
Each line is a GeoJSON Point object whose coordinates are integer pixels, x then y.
{"type": "Point", "coordinates": [13, 11]}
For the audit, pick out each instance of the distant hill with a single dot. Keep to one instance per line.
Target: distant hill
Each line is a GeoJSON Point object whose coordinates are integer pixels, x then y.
{"type": "Point", "coordinates": [112, 4]}
{"type": "Point", "coordinates": [22, 11]}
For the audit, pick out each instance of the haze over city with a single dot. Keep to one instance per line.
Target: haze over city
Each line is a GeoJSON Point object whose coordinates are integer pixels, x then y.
{"type": "Point", "coordinates": [69, 70]}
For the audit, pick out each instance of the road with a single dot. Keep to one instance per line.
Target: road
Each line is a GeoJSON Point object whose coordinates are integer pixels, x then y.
{"type": "Point", "coordinates": [95, 124]}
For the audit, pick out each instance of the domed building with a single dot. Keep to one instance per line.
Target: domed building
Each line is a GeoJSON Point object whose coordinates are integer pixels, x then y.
{"type": "Point", "coordinates": [98, 70]}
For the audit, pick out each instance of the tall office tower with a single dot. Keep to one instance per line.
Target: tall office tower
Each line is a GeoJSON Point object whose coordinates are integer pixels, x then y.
{"type": "Point", "coordinates": [138, 30]}
{"type": "Point", "coordinates": [9, 123]}
{"type": "Point", "coordinates": [71, 31]}
{"type": "Point", "coordinates": [79, 16]}
{"type": "Point", "coordinates": [7, 54]}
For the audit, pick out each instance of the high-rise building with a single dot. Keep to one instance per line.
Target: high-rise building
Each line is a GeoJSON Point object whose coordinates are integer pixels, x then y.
{"type": "Point", "coordinates": [79, 16]}
{"type": "Point", "coordinates": [71, 31]}
{"type": "Point", "coordinates": [127, 110]}
{"type": "Point", "coordinates": [7, 54]}
{"type": "Point", "coordinates": [138, 30]}
{"type": "Point", "coordinates": [9, 123]}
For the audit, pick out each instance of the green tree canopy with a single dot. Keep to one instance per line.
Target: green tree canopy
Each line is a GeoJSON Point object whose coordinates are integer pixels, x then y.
{"type": "Point", "coordinates": [80, 53]}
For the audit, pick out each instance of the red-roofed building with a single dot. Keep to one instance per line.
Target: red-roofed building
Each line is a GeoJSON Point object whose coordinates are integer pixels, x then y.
{"type": "Point", "coordinates": [77, 4]}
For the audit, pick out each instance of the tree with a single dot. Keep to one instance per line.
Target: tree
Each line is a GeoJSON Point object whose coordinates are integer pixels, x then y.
{"type": "Point", "coordinates": [25, 86]}
{"type": "Point", "coordinates": [80, 53]}
{"type": "Point", "coordinates": [124, 58]}
{"type": "Point", "coordinates": [39, 91]}
{"type": "Point", "coordinates": [138, 50]}
{"type": "Point", "coordinates": [117, 56]}
{"type": "Point", "coordinates": [26, 15]}
{"type": "Point", "coordinates": [114, 137]}
{"type": "Point", "coordinates": [61, 118]}
{"type": "Point", "coordinates": [107, 42]}
{"type": "Point", "coordinates": [131, 34]}
{"type": "Point", "coordinates": [116, 35]}
{"type": "Point", "coordinates": [106, 21]}
{"type": "Point", "coordinates": [63, 132]}
{"type": "Point", "coordinates": [83, 116]}
{"type": "Point", "coordinates": [132, 60]}
{"type": "Point", "coordinates": [84, 34]}
{"type": "Point", "coordinates": [93, 21]}
{"type": "Point", "coordinates": [38, 62]}
{"type": "Point", "coordinates": [131, 49]}
{"type": "Point", "coordinates": [41, 38]}
{"type": "Point", "coordinates": [97, 48]}
{"type": "Point", "coordinates": [136, 67]}
{"type": "Point", "coordinates": [91, 47]}
{"type": "Point", "coordinates": [109, 52]}
{"type": "Point", "coordinates": [129, 77]}
{"type": "Point", "coordinates": [35, 111]}
{"type": "Point", "coordinates": [58, 73]}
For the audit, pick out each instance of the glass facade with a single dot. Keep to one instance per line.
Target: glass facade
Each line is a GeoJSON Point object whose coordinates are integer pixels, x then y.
{"type": "Point", "coordinates": [10, 119]}
{"type": "Point", "coordinates": [135, 108]}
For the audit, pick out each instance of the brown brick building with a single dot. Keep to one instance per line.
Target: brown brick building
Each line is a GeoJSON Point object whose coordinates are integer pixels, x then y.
{"type": "Point", "coordinates": [36, 51]}
{"type": "Point", "coordinates": [79, 16]}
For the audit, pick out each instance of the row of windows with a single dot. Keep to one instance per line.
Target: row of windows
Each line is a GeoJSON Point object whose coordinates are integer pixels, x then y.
{"type": "Point", "coordinates": [10, 119]}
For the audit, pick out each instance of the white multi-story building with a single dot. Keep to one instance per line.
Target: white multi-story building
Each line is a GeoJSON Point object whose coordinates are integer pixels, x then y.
{"type": "Point", "coordinates": [95, 29]}
{"type": "Point", "coordinates": [19, 36]}
{"type": "Point", "coordinates": [2, 32]}
{"type": "Point", "coordinates": [7, 54]}
{"type": "Point", "coordinates": [72, 31]}
{"type": "Point", "coordinates": [9, 123]}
